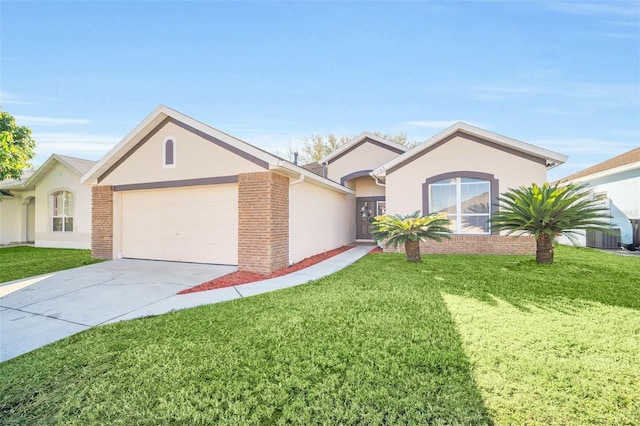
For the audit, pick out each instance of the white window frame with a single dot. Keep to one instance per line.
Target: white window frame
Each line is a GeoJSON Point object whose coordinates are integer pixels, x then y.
{"type": "Point", "coordinates": [65, 214]}
{"type": "Point", "coordinates": [164, 152]}
{"type": "Point", "coordinates": [458, 215]}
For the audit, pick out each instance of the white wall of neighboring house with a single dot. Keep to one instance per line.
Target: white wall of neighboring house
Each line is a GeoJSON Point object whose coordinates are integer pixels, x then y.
{"type": "Point", "coordinates": [11, 219]}
{"type": "Point", "coordinates": [61, 178]}
{"type": "Point", "coordinates": [621, 187]}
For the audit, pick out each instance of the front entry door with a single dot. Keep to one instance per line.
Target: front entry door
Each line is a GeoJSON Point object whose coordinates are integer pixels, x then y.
{"type": "Point", "coordinates": [366, 209]}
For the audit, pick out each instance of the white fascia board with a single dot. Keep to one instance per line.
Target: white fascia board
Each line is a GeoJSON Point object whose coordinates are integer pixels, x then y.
{"type": "Point", "coordinates": [381, 171]}
{"type": "Point", "coordinates": [16, 186]}
{"type": "Point", "coordinates": [125, 144]}
{"type": "Point", "coordinates": [552, 157]}
{"type": "Point", "coordinates": [45, 168]}
{"type": "Point", "coordinates": [224, 137]}
{"type": "Point", "coordinates": [291, 170]}
{"type": "Point", "coordinates": [150, 122]}
{"type": "Point", "coordinates": [357, 140]}
{"type": "Point", "coordinates": [604, 173]}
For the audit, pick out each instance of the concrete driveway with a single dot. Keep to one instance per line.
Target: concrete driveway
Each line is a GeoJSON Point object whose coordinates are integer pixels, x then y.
{"type": "Point", "coordinates": [41, 310]}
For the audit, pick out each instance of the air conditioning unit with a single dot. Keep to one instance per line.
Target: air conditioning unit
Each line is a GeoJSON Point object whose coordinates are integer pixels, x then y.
{"type": "Point", "coordinates": [601, 240]}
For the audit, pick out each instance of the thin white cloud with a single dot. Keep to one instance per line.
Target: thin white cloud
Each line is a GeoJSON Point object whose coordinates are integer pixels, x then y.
{"type": "Point", "coordinates": [437, 124]}
{"type": "Point", "coordinates": [7, 98]}
{"type": "Point", "coordinates": [25, 120]}
{"type": "Point", "coordinates": [597, 8]}
{"type": "Point", "coordinates": [618, 35]}
{"type": "Point", "coordinates": [74, 144]}
{"type": "Point", "coordinates": [601, 147]}
{"type": "Point", "coordinates": [431, 124]}
{"type": "Point", "coordinates": [626, 132]}
{"type": "Point", "coordinates": [588, 94]}
{"type": "Point", "coordinates": [560, 111]}
{"type": "Point", "coordinates": [625, 24]}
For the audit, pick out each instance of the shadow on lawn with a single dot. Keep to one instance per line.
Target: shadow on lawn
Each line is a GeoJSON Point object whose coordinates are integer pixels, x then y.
{"type": "Point", "coordinates": [577, 277]}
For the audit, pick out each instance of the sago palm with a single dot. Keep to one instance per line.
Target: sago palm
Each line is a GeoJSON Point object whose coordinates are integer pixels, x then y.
{"type": "Point", "coordinates": [548, 211]}
{"type": "Point", "coordinates": [410, 230]}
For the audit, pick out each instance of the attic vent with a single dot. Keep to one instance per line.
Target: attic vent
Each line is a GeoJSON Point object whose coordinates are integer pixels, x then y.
{"type": "Point", "coordinates": [169, 152]}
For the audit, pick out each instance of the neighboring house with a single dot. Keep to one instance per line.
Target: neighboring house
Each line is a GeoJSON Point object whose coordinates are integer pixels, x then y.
{"type": "Point", "coordinates": [49, 206]}
{"type": "Point", "coordinates": [177, 189]}
{"type": "Point", "coordinates": [617, 182]}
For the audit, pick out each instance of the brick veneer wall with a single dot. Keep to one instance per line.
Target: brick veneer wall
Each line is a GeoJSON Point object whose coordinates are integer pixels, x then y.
{"type": "Point", "coordinates": [476, 244]}
{"type": "Point", "coordinates": [263, 222]}
{"type": "Point", "coordinates": [102, 221]}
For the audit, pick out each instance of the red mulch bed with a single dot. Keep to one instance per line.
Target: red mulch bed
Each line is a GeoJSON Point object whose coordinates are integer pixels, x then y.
{"type": "Point", "coordinates": [237, 278]}
{"type": "Point", "coordinates": [376, 250]}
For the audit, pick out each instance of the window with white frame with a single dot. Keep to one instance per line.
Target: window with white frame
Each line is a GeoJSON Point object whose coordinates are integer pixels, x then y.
{"type": "Point", "coordinates": [467, 201]}
{"type": "Point", "coordinates": [62, 213]}
{"type": "Point", "coordinates": [169, 152]}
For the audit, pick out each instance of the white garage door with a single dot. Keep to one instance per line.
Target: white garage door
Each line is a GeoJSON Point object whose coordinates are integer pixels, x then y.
{"type": "Point", "coordinates": [195, 224]}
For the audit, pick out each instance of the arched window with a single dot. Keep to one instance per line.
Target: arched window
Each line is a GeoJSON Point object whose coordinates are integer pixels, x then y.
{"type": "Point", "coordinates": [169, 153]}
{"type": "Point", "coordinates": [62, 213]}
{"type": "Point", "coordinates": [466, 197]}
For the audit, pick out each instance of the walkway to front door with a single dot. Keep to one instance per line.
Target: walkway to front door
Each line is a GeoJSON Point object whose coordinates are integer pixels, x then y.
{"type": "Point", "coordinates": [366, 209]}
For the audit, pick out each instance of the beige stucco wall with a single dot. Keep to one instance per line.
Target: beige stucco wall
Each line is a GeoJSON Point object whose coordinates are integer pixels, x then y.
{"type": "Point", "coordinates": [320, 220]}
{"type": "Point", "coordinates": [404, 185]}
{"type": "Point", "coordinates": [366, 156]}
{"type": "Point", "coordinates": [61, 178]}
{"type": "Point", "coordinates": [12, 218]}
{"type": "Point", "coordinates": [366, 187]}
{"type": "Point", "coordinates": [195, 157]}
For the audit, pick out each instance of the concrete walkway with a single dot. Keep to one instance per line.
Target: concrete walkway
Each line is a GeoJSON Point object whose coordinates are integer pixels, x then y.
{"type": "Point", "coordinates": [40, 310]}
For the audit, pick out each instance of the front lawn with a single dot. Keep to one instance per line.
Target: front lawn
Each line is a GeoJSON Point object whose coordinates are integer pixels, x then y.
{"type": "Point", "coordinates": [454, 340]}
{"type": "Point", "coordinates": [24, 261]}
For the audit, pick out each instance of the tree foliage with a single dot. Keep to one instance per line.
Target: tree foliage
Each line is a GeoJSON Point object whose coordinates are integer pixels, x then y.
{"type": "Point", "coordinates": [313, 148]}
{"type": "Point", "coordinates": [17, 147]}
{"type": "Point", "coordinates": [409, 230]}
{"type": "Point", "coordinates": [549, 211]}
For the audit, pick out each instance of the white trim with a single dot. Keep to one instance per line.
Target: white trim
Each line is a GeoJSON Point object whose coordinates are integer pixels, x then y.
{"type": "Point", "coordinates": [152, 120]}
{"type": "Point", "coordinates": [458, 214]}
{"type": "Point", "coordinates": [552, 158]}
{"type": "Point", "coordinates": [65, 213]}
{"type": "Point", "coordinates": [162, 112]}
{"type": "Point", "coordinates": [604, 173]}
{"type": "Point", "coordinates": [164, 152]}
{"type": "Point", "coordinates": [297, 172]}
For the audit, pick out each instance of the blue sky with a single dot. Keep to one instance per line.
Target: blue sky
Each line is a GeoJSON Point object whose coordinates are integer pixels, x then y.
{"type": "Point", "coordinates": [561, 75]}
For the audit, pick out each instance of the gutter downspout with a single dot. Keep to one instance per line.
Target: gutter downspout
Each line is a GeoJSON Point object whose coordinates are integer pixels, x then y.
{"type": "Point", "coordinates": [375, 177]}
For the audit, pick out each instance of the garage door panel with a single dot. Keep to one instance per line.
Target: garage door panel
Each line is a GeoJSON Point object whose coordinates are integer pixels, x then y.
{"type": "Point", "coordinates": [196, 224]}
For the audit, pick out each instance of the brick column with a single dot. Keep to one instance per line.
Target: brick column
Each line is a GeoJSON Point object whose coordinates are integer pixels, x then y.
{"type": "Point", "coordinates": [263, 222]}
{"type": "Point", "coordinates": [102, 222]}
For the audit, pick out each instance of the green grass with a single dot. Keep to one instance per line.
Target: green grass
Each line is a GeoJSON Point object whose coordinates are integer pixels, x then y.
{"type": "Point", "coordinates": [454, 340]}
{"type": "Point", "coordinates": [23, 261]}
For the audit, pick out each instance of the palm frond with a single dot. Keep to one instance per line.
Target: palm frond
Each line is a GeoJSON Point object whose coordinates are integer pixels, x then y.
{"type": "Point", "coordinates": [550, 209]}
{"type": "Point", "coordinates": [395, 229]}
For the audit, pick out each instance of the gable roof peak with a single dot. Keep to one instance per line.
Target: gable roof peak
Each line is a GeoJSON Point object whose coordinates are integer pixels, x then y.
{"type": "Point", "coordinates": [30, 178]}
{"type": "Point", "coordinates": [163, 112]}
{"type": "Point", "coordinates": [552, 158]}
{"type": "Point", "coordinates": [361, 138]}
